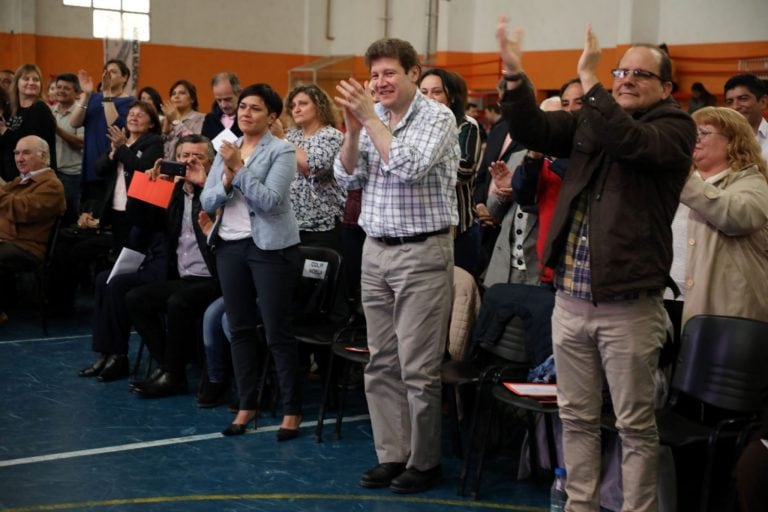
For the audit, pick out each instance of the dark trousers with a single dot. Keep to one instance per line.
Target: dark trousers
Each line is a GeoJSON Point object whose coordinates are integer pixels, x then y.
{"type": "Point", "coordinates": [11, 255]}
{"type": "Point", "coordinates": [352, 239]}
{"type": "Point", "coordinates": [181, 303]}
{"type": "Point", "coordinates": [247, 273]}
{"type": "Point", "coordinates": [111, 323]}
{"type": "Point", "coordinates": [466, 249]}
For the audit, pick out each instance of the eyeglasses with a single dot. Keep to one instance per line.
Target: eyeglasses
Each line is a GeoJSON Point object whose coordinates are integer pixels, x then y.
{"type": "Point", "coordinates": [703, 134]}
{"type": "Point", "coordinates": [640, 74]}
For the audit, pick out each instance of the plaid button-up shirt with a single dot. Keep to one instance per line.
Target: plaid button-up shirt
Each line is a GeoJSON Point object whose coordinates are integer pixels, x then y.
{"type": "Point", "coordinates": [415, 192]}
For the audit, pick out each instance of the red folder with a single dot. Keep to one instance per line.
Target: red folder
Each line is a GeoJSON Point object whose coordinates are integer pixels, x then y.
{"type": "Point", "coordinates": [157, 192]}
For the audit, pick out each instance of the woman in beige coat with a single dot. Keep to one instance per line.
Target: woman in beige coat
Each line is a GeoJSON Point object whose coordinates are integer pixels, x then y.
{"type": "Point", "coordinates": [727, 262]}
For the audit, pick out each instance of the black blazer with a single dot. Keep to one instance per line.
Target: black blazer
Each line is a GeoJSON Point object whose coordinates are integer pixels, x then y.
{"type": "Point", "coordinates": [212, 123]}
{"type": "Point", "coordinates": [138, 157]}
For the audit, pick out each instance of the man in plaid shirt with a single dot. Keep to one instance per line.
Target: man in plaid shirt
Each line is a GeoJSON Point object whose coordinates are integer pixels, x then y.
{"type": "Point", "coordinates": [403, 153]}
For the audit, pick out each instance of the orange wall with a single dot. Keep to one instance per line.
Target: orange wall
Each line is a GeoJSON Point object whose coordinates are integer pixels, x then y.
{"type": "Point", "coordinates": [710, 64]}
{"type": "Point", "coordinates": [160, 65]}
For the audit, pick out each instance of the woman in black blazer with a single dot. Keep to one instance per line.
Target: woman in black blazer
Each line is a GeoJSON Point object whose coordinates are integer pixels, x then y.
{"type": "Point", "coordinates": [134, 149]}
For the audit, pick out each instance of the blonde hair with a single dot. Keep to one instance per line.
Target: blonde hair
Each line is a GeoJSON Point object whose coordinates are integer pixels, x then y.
{"type": "Point", "coordinates": [743, 148]}
{"type": "Point", "coordinates": [20, 72]}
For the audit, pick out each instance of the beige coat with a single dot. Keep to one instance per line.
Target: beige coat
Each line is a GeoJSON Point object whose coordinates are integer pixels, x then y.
{"type": "Point", "coordinates": [727, 263]}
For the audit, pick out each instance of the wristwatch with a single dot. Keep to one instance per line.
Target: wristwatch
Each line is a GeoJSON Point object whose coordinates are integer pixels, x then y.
{"type": "Point", "coordinates": [107, 99]}
{"type": "Point", "coordinates": [513, 77]}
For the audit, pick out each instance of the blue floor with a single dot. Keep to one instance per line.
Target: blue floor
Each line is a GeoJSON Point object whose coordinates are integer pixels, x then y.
{"type": "Point", "coordinates": [69, 443]}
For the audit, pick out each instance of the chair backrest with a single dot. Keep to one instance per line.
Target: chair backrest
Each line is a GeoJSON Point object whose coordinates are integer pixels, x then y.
{"type": "Point", "coordinates": [53, 237]}
{"type": "Point", "coordinates": [318, 284]}
{"type": "Point", "coordinates": [723, 362]}
{"type": "Point", "coordinates": [511, 345]}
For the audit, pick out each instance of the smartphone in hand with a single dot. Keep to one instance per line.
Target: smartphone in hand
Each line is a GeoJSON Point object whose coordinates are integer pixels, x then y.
{"type": "Point", "coordinates": [171, 168]}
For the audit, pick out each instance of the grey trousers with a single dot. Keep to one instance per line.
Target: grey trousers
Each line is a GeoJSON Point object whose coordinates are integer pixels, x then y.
{"type": "Point", "coordinates": [407, 295]}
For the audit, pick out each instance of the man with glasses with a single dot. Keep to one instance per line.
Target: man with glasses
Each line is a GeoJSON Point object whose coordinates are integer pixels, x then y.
{"type": "Point", "coordinates": [29, 205]}
{"type": "Point", "coordinates": [747, 95]}
{"type": "Point", "coordinates": [610, 244]}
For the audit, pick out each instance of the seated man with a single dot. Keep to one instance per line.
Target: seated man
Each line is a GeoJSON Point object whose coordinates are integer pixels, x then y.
{"type": "Point", "coordinates": [163, 312]}
{"type": "Point", "coordinates": [29, 205]}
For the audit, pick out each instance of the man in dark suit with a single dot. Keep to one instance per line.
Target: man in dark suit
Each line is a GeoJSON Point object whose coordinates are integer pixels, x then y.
{"type": "Point", "coordinates": [223, 115]}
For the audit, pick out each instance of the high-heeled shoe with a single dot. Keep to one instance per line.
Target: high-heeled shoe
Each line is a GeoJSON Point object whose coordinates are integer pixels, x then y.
{"type": "Point", "coordinates": [95, 369]}
{"type": "Point", "coordinates": [286, 434]}
{"type": "Point", "coordinates": [238, 429]}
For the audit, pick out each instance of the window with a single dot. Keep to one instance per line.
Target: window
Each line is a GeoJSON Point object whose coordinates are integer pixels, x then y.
{"type": "Point", "coordinates": [118, 19]}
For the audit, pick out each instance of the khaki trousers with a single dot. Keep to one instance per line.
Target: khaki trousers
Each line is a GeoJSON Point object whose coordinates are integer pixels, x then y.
{"type": "Point", "coordinates": [619, 341]}
{"type": "Point", "coordinates": [407, 294]}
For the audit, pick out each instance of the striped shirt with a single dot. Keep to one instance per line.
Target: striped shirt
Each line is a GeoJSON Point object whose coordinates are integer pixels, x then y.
{"type": "Point", "coordinates": [415, 192]}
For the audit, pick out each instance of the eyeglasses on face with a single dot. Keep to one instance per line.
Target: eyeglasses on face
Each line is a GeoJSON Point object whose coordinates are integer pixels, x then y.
{"type": "Point", "coordinates": [702, 133]}
{"type": "Point", "coordinates": [640, 74]}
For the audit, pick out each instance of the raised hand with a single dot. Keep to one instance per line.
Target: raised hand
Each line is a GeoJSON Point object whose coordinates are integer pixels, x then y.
{"type": "Point", "coordinates": [357, 103]}
{"type": "Point", "coordinates": [154, 172]}
{"type": "Point", "coordinates": [502, 176]}
{"type": "Point", "coordinates": [170, 112]}
{"type": "Point", "coordinates": [106, 81]}
{"type": "Point", "coordinates": [277, 129]}
{"type": "Point", "coordinates": [510, 49]}
{"type": "Point", "coordinates": [590, 58]}
{"type": "Point", "coordinates": [205, 222]}
{"type": "Point", "coordinates": [195, 172]}
{"type": "Point", "coordinates": [86, 82]}
{"type": "Point", "coordinates": [230, 153]}
{"type": "Point", "coordinates": [117, 136]}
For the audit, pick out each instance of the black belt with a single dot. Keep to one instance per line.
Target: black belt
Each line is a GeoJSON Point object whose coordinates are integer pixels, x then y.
{"type": "Point", "coordinates": [400, 240]}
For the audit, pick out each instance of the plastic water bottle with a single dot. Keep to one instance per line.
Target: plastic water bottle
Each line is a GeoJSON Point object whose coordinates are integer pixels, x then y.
{"type": "Point", "coordinates": [557, 496]}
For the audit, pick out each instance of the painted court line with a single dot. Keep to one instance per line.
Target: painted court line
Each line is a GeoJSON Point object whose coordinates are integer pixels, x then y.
{"type": "Point", "coordinates": [464, 504]}
{"type": "Point", "coordinates": [150, 444]}
{"type": "Point", "coordinates": [52, 338]}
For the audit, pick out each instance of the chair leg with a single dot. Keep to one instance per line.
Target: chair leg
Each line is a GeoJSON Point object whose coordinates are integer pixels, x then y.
{"type": "Point", "coordinates": [470, 439]}
{"type": "Point", "coordinates": [343, 396]}
{"type": "Point", "coordinates": [533, 448]}
{"type": "Point", "coordinates": [549, 422]}
{"type": "Point", "coordinates": [41, 299]}
{"type": "Point", "coordinates": [481, 456]}
{"type": "Point", "coordinates": [454, 406]}
{"type": "Point", "coordinates": [325, 397]}
{"type": "Point", "coordinates": [137, 362]}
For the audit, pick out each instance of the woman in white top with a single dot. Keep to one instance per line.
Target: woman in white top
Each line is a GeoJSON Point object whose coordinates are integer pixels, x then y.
{"type": "Point", "coordinates": [257, 257]}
